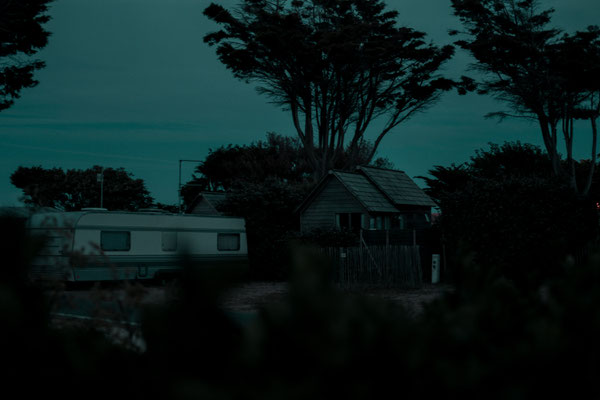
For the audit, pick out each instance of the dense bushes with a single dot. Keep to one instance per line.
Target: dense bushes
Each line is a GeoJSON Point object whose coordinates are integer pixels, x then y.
{"type": "Point", "coordinates": [514, 218]}
{"type": "Point", "coordinates": [487, 339]}
{"type": "Point", "coordinates": [268, 209]}
{"type": "Point", "coordinates": [328, 238]}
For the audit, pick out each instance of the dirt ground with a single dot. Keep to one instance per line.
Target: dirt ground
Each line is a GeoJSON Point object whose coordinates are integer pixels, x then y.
{"type": "Point", "coordinates": [98, 307]}
{"type": "Point", "coordinates": [251, 296]}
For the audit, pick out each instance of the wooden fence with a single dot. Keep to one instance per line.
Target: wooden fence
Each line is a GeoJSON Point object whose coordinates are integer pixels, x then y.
{"type": "Point", "coordinates": [381, 265]}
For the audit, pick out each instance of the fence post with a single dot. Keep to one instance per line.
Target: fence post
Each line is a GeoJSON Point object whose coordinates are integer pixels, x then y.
{"type": "Point", "coordinates": [360, 249]}
{"type": "Point", "coordinates": [387, 249]}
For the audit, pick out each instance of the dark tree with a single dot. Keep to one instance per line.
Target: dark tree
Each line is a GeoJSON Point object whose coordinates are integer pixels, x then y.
{"type": "Point", "coordinates": [538, 73]}
{"type": "Point", "coordinates": [336, 66]}
{"type": "Point", "coordinates": [76, 189]}
{"type": "Point", "coordinates": [507, 209]}
{"type": "Point", "coordinates": [21, 36]}
{"type": "Point", "coordinates": [576, 64]}
{"type": "Point", "coordinates": [278, 158]}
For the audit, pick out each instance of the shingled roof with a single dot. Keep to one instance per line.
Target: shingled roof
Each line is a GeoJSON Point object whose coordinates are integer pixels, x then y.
{"type": "Point", "coordinates": [397, 186]}
{"type": "Point", "coordinates": [213, 199]}
{"type": "Point", "coordinates": [365, 192]}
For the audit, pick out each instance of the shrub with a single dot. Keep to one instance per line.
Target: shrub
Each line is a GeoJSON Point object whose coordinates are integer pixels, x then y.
{"type": "Point", "coordinates": [268, 209]}
{"type": "Point", "coordinates": [328, 238]}
{"type": "Point", "coordinates": [515, 219]}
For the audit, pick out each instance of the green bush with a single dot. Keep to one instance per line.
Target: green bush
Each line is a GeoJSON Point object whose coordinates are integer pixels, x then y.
{"type": "Point", "coordinates": [268, 209]}
{"type": "Point", "coordinates": [507, 211]}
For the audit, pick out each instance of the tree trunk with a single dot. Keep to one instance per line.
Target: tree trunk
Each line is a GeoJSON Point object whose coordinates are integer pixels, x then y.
{"type": "Point", "coordinates": [568, 134]}
{"type": "Point", "coordinates": [588, 184]}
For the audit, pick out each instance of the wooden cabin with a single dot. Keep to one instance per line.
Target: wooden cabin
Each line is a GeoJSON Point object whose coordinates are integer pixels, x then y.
{"type": "Point", "coordinates": [369, 198]}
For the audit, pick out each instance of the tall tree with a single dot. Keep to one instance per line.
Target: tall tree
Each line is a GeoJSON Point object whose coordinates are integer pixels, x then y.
{"type": "Point", "coordinates": [576, 62]}
{"type": "Point", "coordinates": [539, 73]}
{"type": "Point", "coordinates": [335, 65]}
{"type": "Point", "coordinates": [75, 189]}
{"type": "Point", "coordinates": [21, 36]}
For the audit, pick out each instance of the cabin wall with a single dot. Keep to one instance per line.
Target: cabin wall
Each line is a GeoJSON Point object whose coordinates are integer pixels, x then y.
{"type": "Point", "coordinates": [333, 199]}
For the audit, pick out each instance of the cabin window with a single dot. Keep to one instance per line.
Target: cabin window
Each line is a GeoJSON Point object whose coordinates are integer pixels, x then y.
{"type": "Point", "coordinates": [348, 221]}
{"type": "Point", "coordinates": [228, 241]}
{"type": "Point", "coordinates": [115, 241]}
{"type": "Point", "coordinates": [169, 241]}
{"type": "Point", "coordinates": [398, 222]}
{"type": "Point", "coordinates": [379, 222]}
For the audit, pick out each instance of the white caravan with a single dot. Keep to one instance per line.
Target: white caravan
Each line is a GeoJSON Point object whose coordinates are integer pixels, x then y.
{"type": "Point", "coordinates": [94, 245]}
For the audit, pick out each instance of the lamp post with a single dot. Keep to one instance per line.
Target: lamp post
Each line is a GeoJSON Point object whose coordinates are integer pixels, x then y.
{"type": "Point", "coordinates": [100, 178]}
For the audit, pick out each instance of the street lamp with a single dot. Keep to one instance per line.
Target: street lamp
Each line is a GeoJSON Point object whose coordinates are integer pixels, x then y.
{"type": "Point", "coordinates": [100, 178]}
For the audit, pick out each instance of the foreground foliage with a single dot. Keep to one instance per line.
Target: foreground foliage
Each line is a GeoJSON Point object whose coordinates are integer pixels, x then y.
{"type": "Point", "coordinates": [487, 338]}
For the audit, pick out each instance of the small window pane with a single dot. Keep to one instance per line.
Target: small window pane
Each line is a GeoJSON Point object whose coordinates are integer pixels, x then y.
{"type": "Point", "coordinates": [355, 219]}
{"type": "Point", "coordinates": [343, 220]}
{"type": "Point", "coordinates": [228, 241]}
{"type": "Point", "coordinates": [115, 241]}
{"type": "Point", "coordinates": [169, 241]}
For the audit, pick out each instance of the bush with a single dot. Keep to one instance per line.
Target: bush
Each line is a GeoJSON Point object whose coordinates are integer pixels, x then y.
{"type": "Point", "coordinates": [490, 340]}
{"type": "Point", "coordinates": [268, 209]}
{"type": "Point", "coordinates": [516, 221]}
{"type": "Point", "coordinates": [328, 238]}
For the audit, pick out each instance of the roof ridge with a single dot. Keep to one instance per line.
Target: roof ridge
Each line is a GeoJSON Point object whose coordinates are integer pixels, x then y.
{"type": "Point", "coordinates": [371, 176]}
{"type": "Point", "coordinates": [356, 194]}
{"type": "Point", "coordinates": [380, 168]}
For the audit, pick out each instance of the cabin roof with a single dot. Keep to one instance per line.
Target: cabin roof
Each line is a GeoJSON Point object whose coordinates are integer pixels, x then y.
{"type": "Point", "coordinates": [397, 186]}
{"type": "Point", "coordinates": [367, 194]}
{"type": "Point", "coordinates": [377, 189]}
{"type": "Point", "coordinates": [213, 198]}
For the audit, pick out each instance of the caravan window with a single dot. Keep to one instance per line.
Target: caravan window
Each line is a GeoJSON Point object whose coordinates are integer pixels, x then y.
{"type": "Point", "coordinates": [115, 241]}
{"type": "Point", "coordinates": [228, 241]}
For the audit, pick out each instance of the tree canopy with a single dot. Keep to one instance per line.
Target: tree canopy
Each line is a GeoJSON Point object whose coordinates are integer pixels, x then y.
{"type": "Point", "coordinates": [75, 189]}
{"type": "Point", "coordinates": [336, 66]}
{"type": "Point", "coordinates": [279, 158]}
{"type": "Point", "coordinates": [21, 36]}
{"type": "Point", "coordinates": [539, 72]}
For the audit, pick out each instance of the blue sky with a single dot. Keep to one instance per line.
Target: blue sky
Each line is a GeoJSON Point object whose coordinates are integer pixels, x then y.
{"type": "Point", "coordinates": [130, 83]}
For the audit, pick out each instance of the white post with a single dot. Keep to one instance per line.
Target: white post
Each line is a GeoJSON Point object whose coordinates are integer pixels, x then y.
{"type": "Point", "coordinates": [435, 268]}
